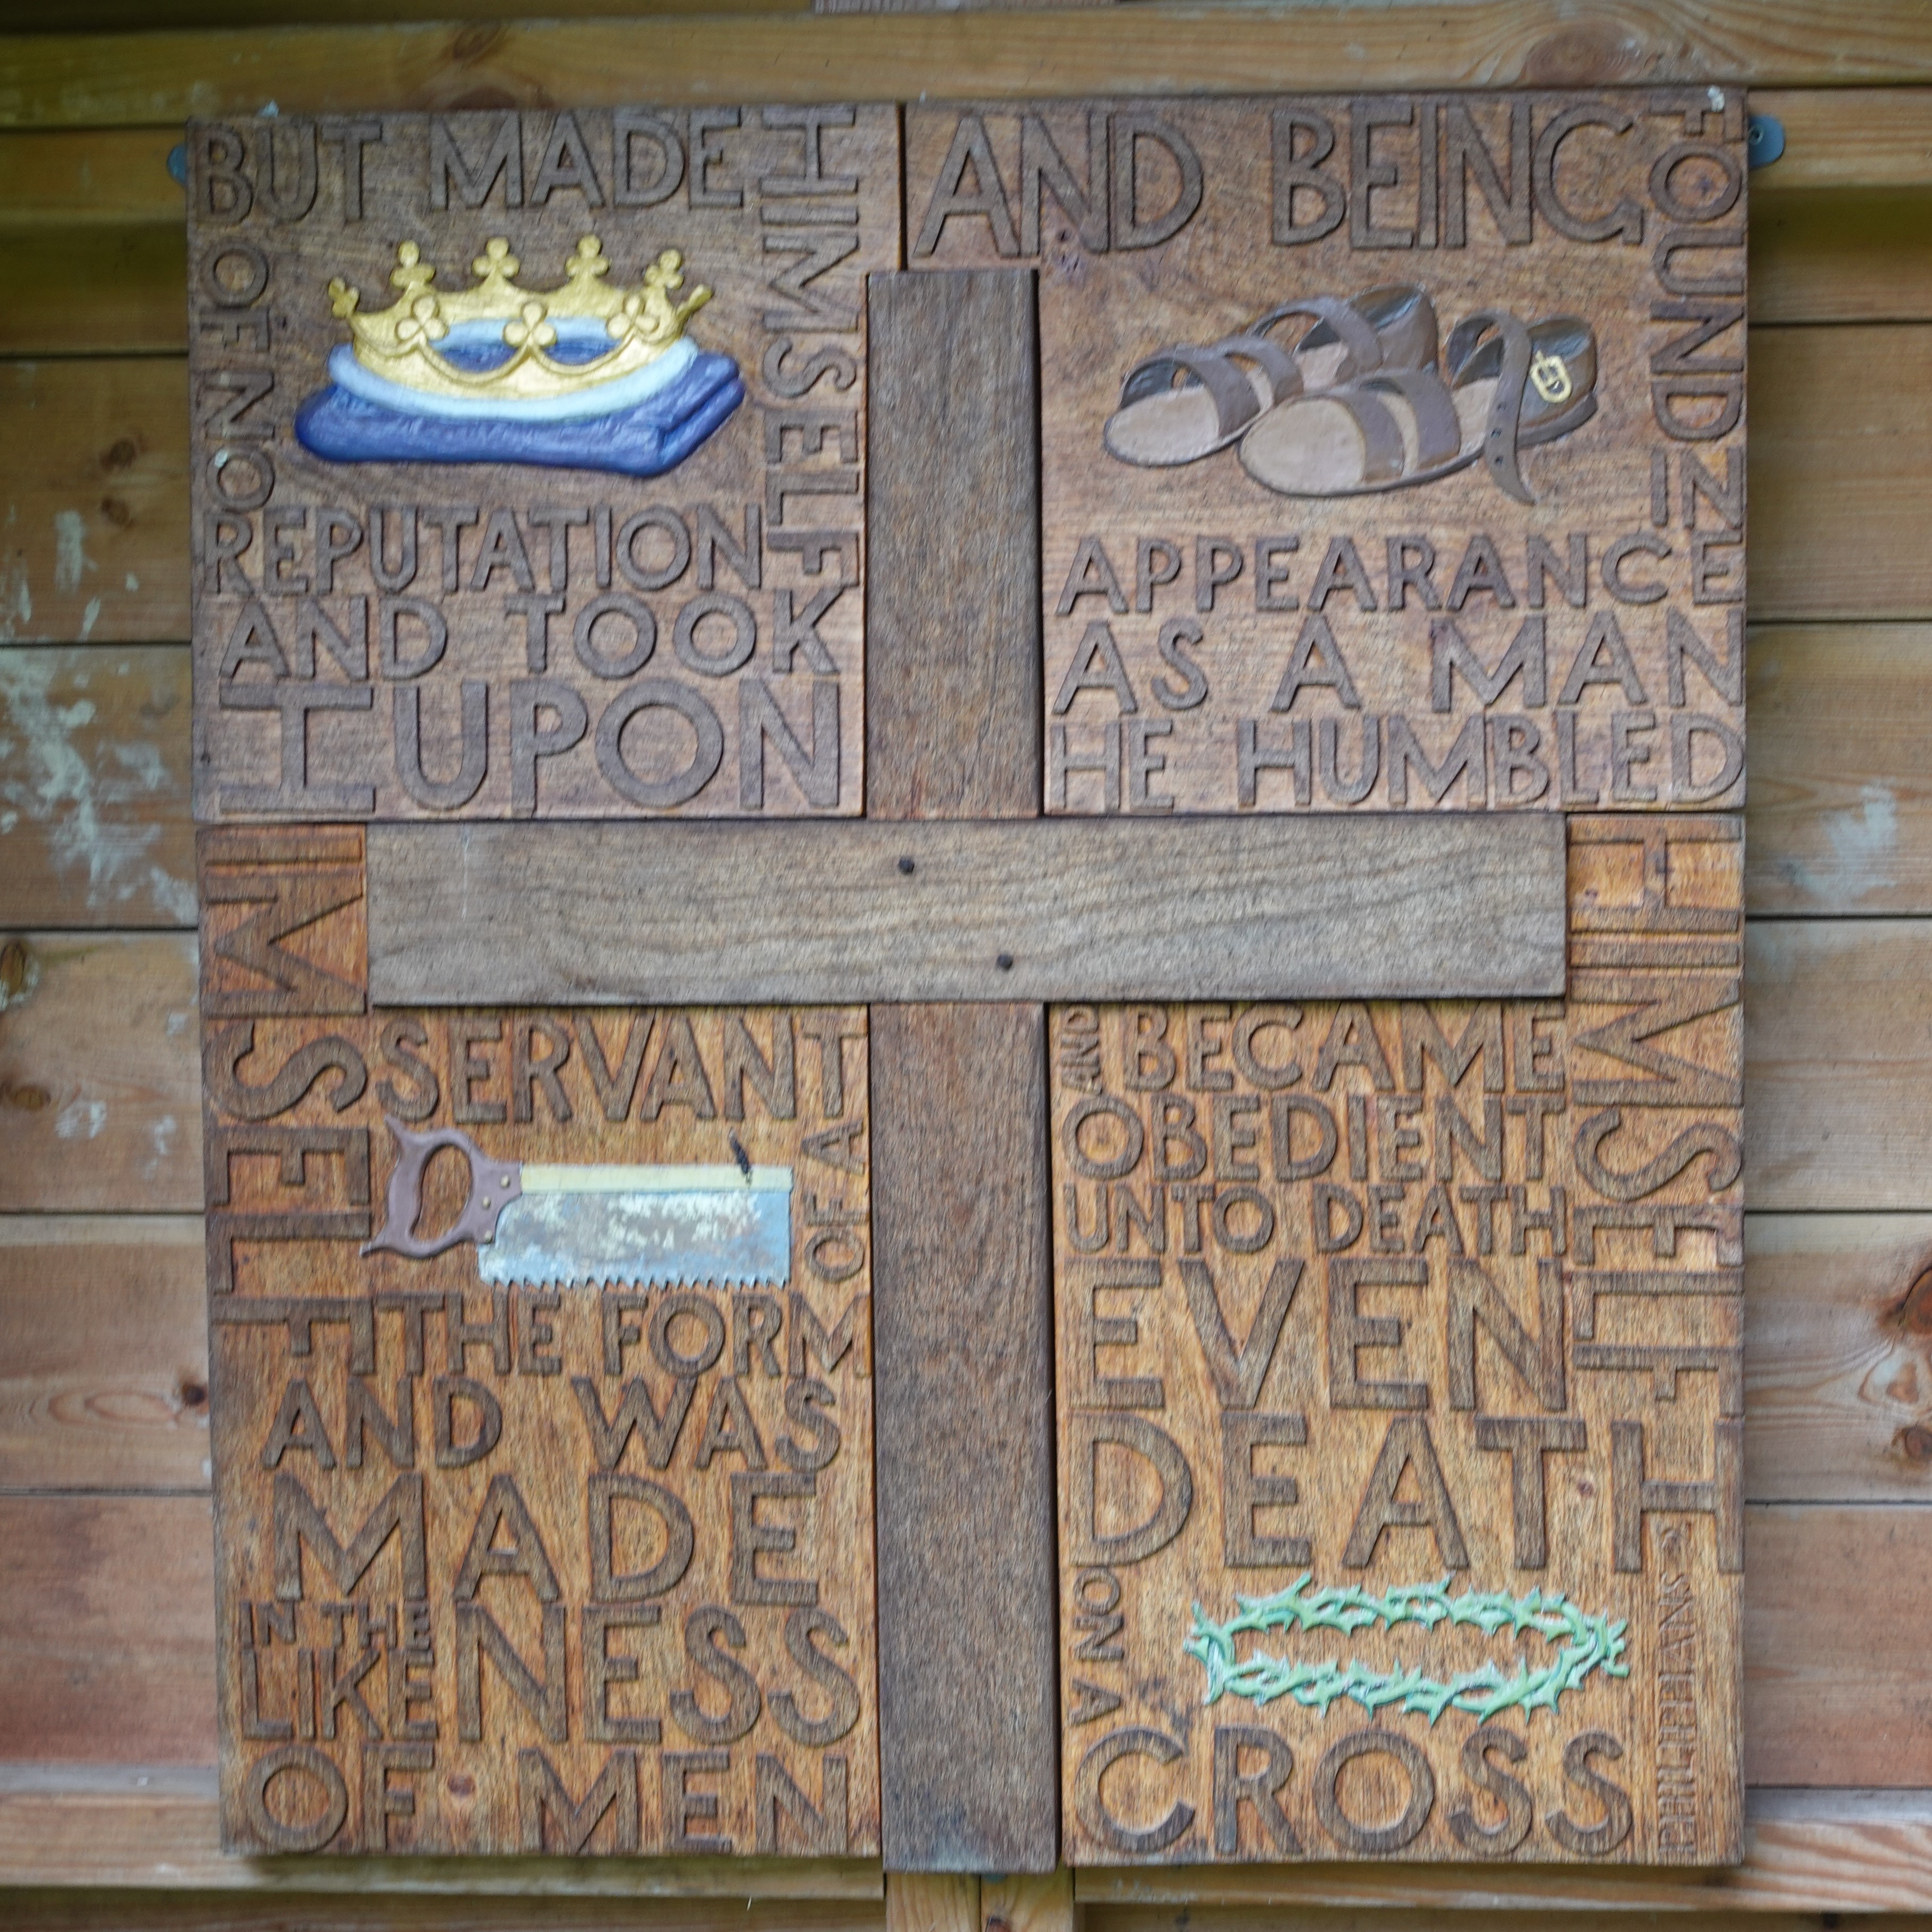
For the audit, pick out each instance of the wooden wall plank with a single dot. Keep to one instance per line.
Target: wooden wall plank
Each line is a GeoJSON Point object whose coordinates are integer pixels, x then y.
{"type": "Point", "coordinates": [963, 1349]}
{"type": "Point", "coordinates": [1840, 813]}
{"type": "Point", "coordinates": [96, 517]}
{"type": "Point", "coordinates": [103, 1352]}
{"type": "Point", "coordinates": [99, 1082]}
{"type": "Point", "coordinates": [1853, 255]}
{"type": "Point", "coordinates": [1837, 1690]}
{"type": "Point", "coordinates": [1040, 1902]}
{"type": "Point", "coordinates": [74, 178]}
{"type": "Point", "coordinates": [1837, 1058]}
{"type": "Point", "coordinates": [1834, 139]}
{"type": "Point", "coordinates": [119, 293]}
{"type": "Point", "coordinates": [932, 1902]}
{"type": "Point", "coordinates": [77, 79]}
{"type": "Point", "coordinates": [1838, 1357]}
{"type": "Point", "coordinates": [1376, 906]}
{"type": "Point", "coordinates": [107, 1654]}
{"type": "Point", "coordinates": [94, 828]}
{"type": "Point", "coordinates": [1841, 423]}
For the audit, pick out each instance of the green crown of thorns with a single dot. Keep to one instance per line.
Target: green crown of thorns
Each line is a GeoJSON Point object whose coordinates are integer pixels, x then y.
{"type": "Point", "coordinates": [1584, 1643]}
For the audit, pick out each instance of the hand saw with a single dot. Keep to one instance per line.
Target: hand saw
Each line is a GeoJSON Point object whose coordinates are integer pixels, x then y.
{"type": "Point", "coordinates": [546, 1225]}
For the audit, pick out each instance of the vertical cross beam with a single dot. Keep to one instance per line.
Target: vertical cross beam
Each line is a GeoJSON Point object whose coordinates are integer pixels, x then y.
{"type": "Point", "coordinates": [963, 1361]}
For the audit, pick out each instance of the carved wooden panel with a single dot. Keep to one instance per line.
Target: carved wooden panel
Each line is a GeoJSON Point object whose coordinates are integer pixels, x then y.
{"type": "Point", "coordinates": [544, 1492]}
{"type": "Point", "coordinates": [1392, 448]}
{"type": "Point", "coordinates": [1400, 1401]}
{"type": "Point", "coordinates": [529, 459]}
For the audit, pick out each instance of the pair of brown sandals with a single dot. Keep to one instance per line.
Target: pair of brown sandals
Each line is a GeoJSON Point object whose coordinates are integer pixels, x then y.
{"type": "Point", "coordinates": [1357, 405]}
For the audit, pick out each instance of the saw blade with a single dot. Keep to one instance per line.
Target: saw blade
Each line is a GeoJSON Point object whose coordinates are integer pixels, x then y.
{"type": "Point", "coordinates": [735, 1238]}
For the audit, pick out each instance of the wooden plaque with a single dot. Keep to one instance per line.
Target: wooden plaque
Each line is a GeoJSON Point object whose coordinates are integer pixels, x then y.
{"type": "Point", "coordinates": [562, 1540]}
{"type": "Point", "coordinates": [1400, 1401]}
{"type": "Point", "coordinates": [529, 459]}
{"type": "Point", "coordinates": [1392, 448]}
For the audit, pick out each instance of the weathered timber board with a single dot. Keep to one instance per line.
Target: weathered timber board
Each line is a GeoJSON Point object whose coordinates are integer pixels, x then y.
{"type": "Point", "coordinates": [990, 910]}
{"type": "Point", "coordinates": [516, 1551]}
{"type": "Point", "coordinates": [430, 583]}
{"type": "Point", "coordinates": [103, 1352]}
{"type": "Point", "coordinates": [967, 1734]}
{"type": "Point", "coordinates": [1404, 557]}
{"type": "Point", "coordinates": [1430, 1308]}
{"type": "Point", "coordinates": [95, 823]}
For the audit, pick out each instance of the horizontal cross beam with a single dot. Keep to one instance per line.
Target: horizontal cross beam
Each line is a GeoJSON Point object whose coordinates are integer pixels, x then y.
{"type": "Point", "coordinates": [1422, 906]}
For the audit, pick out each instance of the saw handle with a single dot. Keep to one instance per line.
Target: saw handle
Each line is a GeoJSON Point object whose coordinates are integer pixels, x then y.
{"type": "Point", "coordinates": [493, 1185]}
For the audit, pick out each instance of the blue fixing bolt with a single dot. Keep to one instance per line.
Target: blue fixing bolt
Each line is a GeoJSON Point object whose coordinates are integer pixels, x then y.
{"type": "Point", "coordinates": [1765, 141]}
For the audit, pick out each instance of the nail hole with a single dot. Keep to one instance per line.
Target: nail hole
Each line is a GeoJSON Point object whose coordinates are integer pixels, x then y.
{"type": "Point", "coordinates": [906, 864]}
{"type": "Point", "coordinates": [1004, 962]}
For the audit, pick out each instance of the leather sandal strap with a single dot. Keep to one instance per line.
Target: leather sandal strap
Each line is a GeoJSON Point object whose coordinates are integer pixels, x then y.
{"type": "Point", "coordinates": [1353, 329]}
{"type": "Point", "coordinates": [1438, 430]}
{"type": "Point", "coordinates": [1501, 440]}
{"type": "Point", "coordinates": [1235, 402]}
{"type": "Point", "coordinates": [1277, 364]}
{"type": "Point", "coordinates": [1382, 452]}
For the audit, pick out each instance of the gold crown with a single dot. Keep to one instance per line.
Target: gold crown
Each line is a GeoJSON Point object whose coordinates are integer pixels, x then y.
{"type": "Point", "coordinates": [402, 344]}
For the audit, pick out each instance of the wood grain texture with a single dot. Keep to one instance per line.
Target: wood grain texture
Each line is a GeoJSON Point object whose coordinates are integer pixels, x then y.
{"type": "Point", "coordinates": [1274, 907]}
{"type": "Point", "coordinates": [954, 535]}
{"type": "Point", "coordinates": [1838, 1357]}
{"type": "Point", "coordinates": [103, 1353]}
{"type": "Point", "coordinates": [1841, 814]}
{"type": "Point", "coordinates": [1838, 1690]}
{"type": "Point", "coordinates": [966, 1523]}
{"type": "Point", "coordinates": [105, 291]}
{"type": "Point", "coordinates": [93, 787]}
{"type": "Point", "coordinates": [96, 521]}
{"type": "Point", "coordinates": [1838, 1040]}
{"type": "Point", "coordinates": [1838, 456]}
{"type": "Point", "coordinates": [78, 80]}
{"type": "Point", "coordinates": [130, 1824]}
{"type": "Point", "coordinates": [1874, 138]}
{"type": "Point", "coordinates": [1841, 255]}
{"type": "Point", "coordinates": [931, 1902]}
{"type": "Point", "coordinates": [109, 1646]}
{"type": "Point", "coordinates": [1043, 1903]}
{"type": "Point", "coordinates": [99, 1101]}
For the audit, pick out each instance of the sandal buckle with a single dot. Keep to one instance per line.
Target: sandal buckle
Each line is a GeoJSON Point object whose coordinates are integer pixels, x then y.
{"type": "Point", "coordinates": [1549, 377]}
